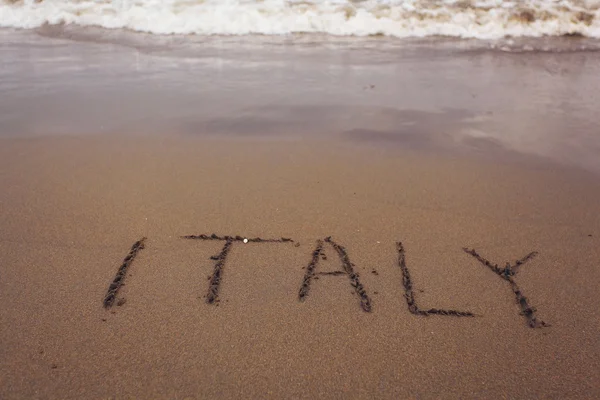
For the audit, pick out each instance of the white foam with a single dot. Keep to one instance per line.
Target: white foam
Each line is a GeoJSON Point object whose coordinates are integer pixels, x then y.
{"type": "Point", "coordinates": [485, 19]}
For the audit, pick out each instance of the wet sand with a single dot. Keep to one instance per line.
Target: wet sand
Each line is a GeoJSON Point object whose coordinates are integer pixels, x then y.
{"type": "Point", "coordinates": [73, 205]}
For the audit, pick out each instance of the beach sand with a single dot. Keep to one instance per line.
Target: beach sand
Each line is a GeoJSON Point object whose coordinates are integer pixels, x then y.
{"type": "Point", "coordinates": [72, 206]}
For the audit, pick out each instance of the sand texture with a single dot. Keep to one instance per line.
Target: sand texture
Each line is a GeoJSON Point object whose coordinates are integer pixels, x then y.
{"type": "Point", "coordinates": [377, 292]}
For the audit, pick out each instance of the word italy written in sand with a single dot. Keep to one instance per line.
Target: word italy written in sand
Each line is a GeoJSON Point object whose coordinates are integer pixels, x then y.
{"type": "Point", "coordinates": [506, 273]}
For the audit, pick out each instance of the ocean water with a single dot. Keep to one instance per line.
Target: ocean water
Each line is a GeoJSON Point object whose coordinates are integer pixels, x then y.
{"type": "Point", "coordinates": [430, 94]}
{"type": "Point", "coordinates": [481, 19]}
{"type": "Point", "coordinates": [490, 77]}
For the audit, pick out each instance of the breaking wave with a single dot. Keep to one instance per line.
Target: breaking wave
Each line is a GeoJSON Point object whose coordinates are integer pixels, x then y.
{"type": "Point", "coordinates": [482, 19]}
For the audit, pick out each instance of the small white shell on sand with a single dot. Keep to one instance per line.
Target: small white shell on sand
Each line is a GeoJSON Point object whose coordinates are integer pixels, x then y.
{"type": "Point", "coordinates": [245, 240]}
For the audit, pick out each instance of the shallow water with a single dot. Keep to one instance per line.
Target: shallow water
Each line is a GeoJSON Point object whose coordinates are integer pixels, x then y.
{"type": "Point", "coordinates": [434, 94]}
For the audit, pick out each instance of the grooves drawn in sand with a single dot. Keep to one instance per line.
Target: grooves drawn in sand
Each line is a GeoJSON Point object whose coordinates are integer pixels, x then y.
{"type": "Point", "coordinates": [215, 279]}
{"type": "Point", "coordinates": [116, 284]}
{"type": "Point", "coordinates": [410, 296]}
{"type": "Point", "coordinates": [507, 274]}
{"type": "Point", "coordinates": [365, 301]}
{"type": "Point", "coordinates": [310, 271]}
{"type": "Point", "coordinates": [237, 238]}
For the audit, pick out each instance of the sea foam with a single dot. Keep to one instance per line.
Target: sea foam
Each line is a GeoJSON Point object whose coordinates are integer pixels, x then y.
{"type": "Point", "coordinates": [481, 19]}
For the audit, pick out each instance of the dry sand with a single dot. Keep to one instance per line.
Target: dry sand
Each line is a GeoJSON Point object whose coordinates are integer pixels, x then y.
{"type": "Point", "coordinates": [71, 208]}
